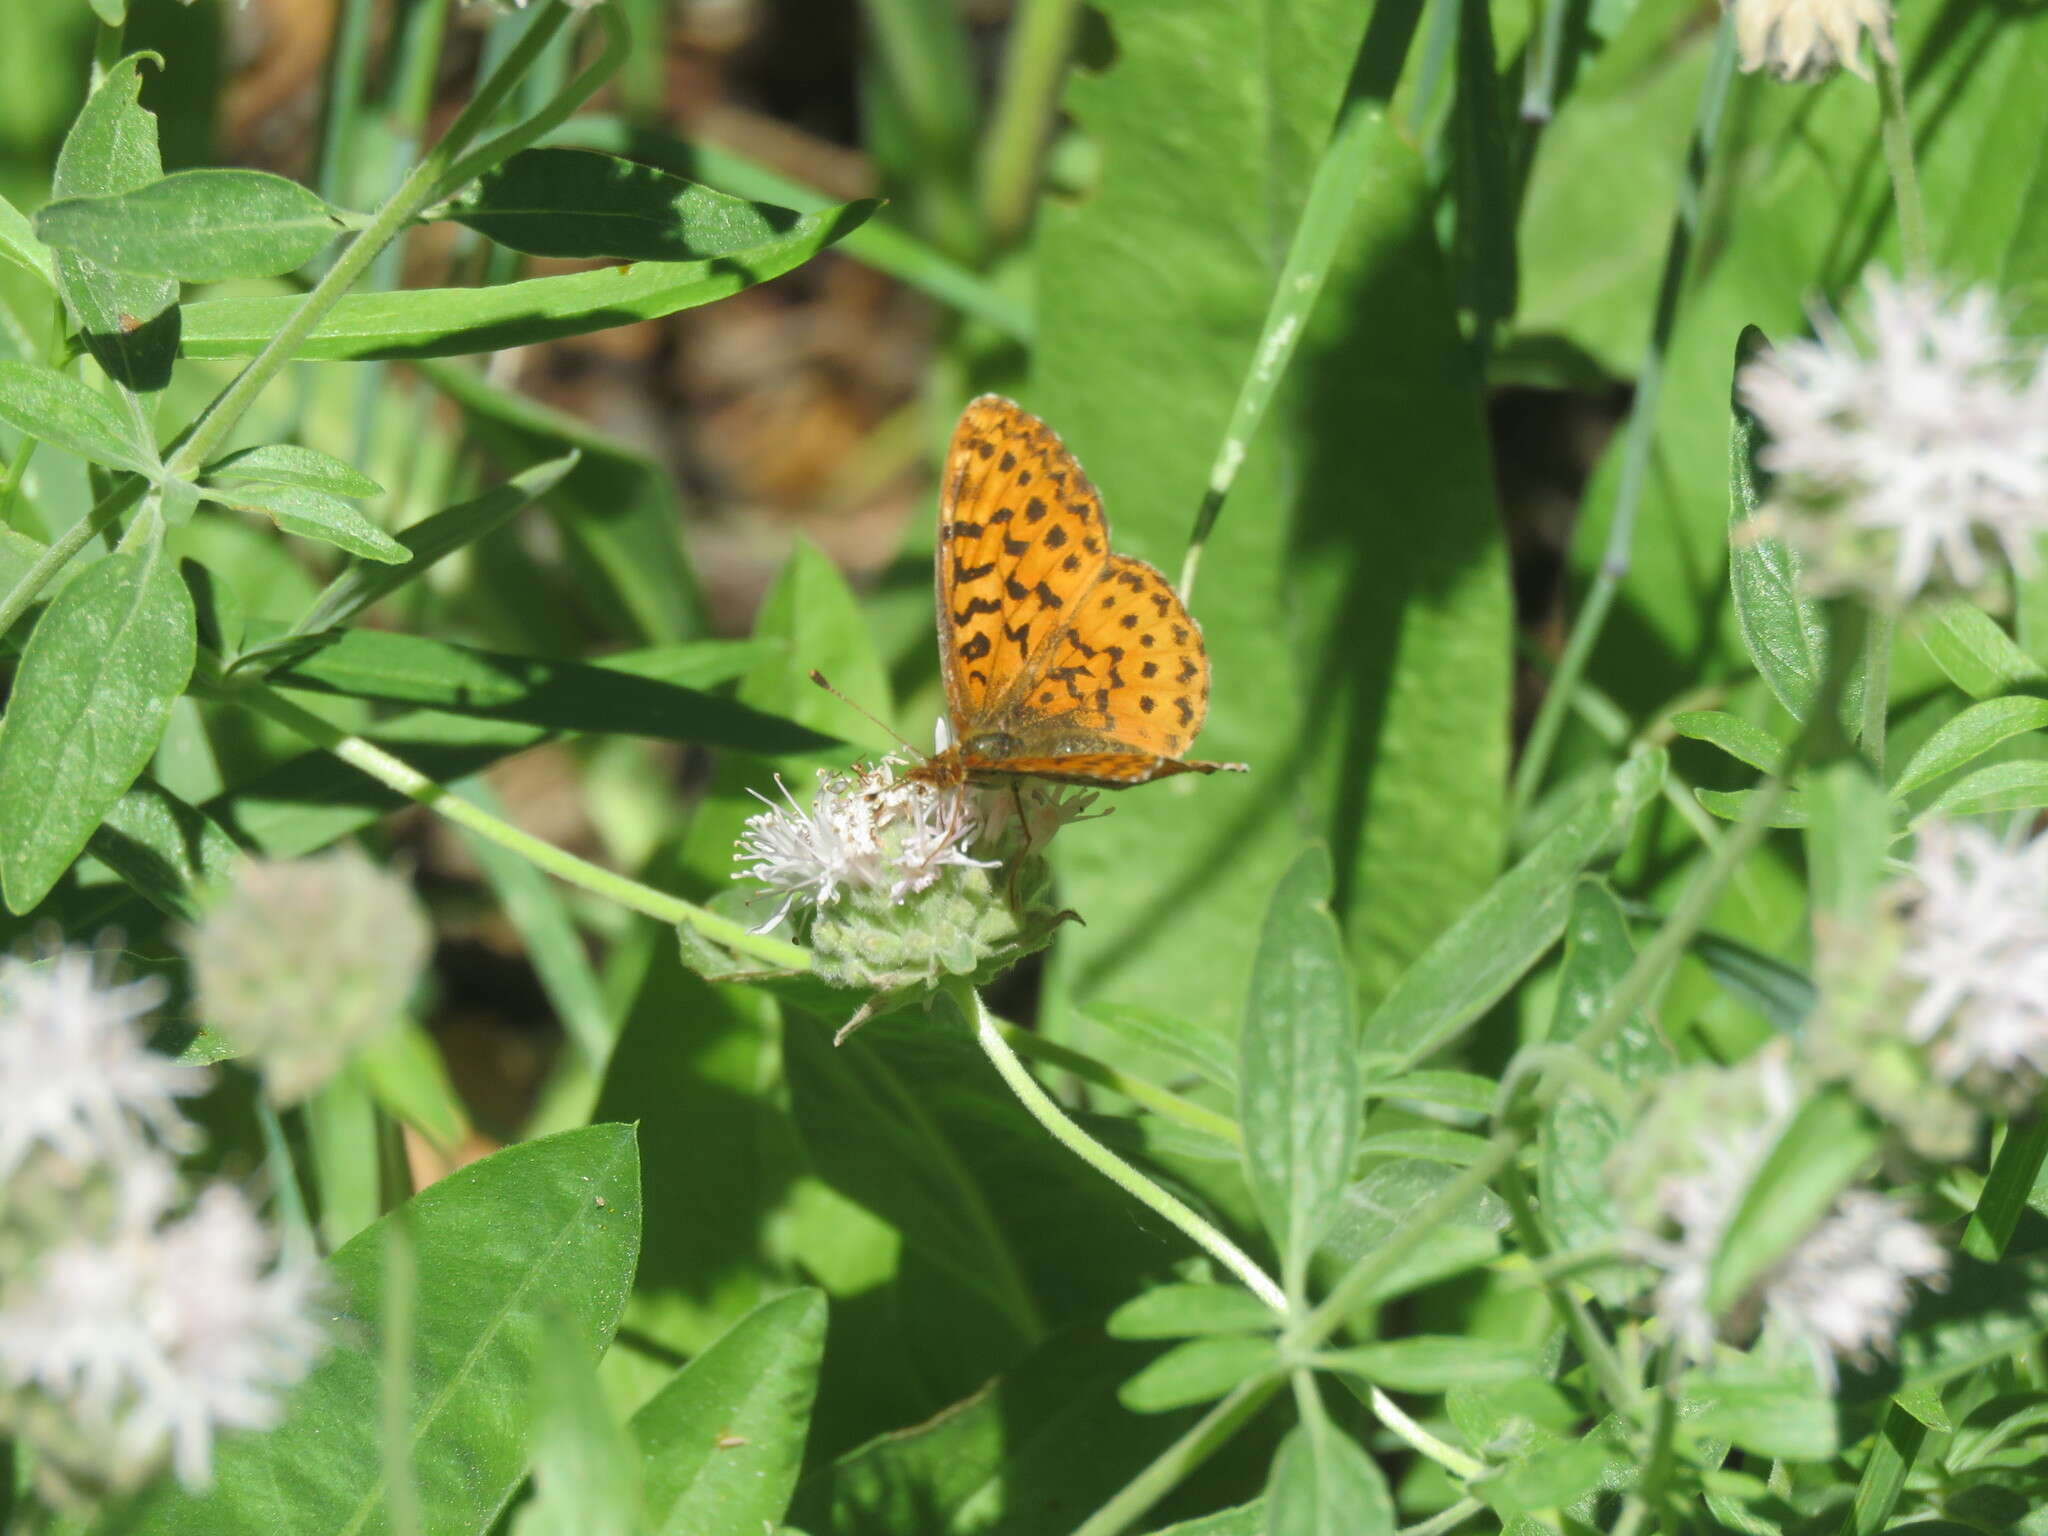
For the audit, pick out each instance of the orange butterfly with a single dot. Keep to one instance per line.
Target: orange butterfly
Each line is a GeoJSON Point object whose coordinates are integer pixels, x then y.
{"type": "Point", "coordinates": [1062, 661]}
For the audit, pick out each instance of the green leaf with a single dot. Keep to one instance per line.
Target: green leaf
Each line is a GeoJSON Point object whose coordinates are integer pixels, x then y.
{"type": "Point", "coordinates": [1772, 1411]}
{"type": "Point", "coordinates": [1464, 1091]}
{"type": "Point", "coordinates": [1742, 741]}
{"type": "Point", "coordinates": [1323, 1484]}
{"type": "Point", "coordinates": [1783, 628]}
{"type": "Point", "coordinates": [1435, 1364]}
{"type": "Point", "coordinates": [19, 245]}
{"type": "Point", "coordinates": [1508, 929]}
{"type": "Point", "coordinates": [291, 464]}
{"type": "Point", "coordinates": [448, 322]}
{"type": "Point", "coordinates": [1186, 1311]}
{"type": "Point", "coordinates": [1965, 737]}
{"type": "Point", "coordinates": [722, 1443]}
{"type": "Point", "coordinates": [313, 515]}
{"type": "Point", "coordinates": [1975, 654]}
{"type": "Point", "coordinates": [1244, 1520]}
{"type": "Point", "coordinates": [1298, 1098]}
{"type": "Point", "coordinates": [60, 411]}
{"type": "Point", "coordinates": [90, 702]}
{"type": "Point", "coordinates": [1829, 1142]}
{"type": "Point", "coordinates": [1197, 1371]}
{"type": "Point", "coordinates": [586, 1478]}
{"type": "Point", "coordinates": [1552, 1472]}
{"type": "Point", "coordinates": [572, 202]}
{"type": "Point", "coordinates": [308, 801]}
{"type": "Point", "coordinates": [171, 852]}
{"type": "Point", "coordinates": [1781, 993]}
{"type": "Point", "coordinates": [1041, 1444]}
{"type": "Point", "coordinates": [1377, 1206]}
{"type": "Point", "coordinates": [1732, 804]}
{"type": "Point", "coordinates": [407, 1077]}
{"type": "Point", "coordinates": [561, 695]}
{"type": "Point", "coordinates": [430, 540]}
{"type": "Point", "coordinates": [1846, 841]}
{"type": "Point", "coordinates": [1986, 1312]}
{"type": "Point", "coordinates": [197, 226]}
{"type": "Point", "coordinates": [1581, 1129]}
{"type": "Point", "coordinates": [2020, 786]}
{"type": "Point", "coordinates": [1892, 1453]}
{"type": "Point", "coordinates": [499, 1247]}
{"type": "Point", "coordinates": [1185, 1047]}
{"type": "Point", "coordinates": [129, 324]}
{"type": "Point", "coordinates": [1359, 651]}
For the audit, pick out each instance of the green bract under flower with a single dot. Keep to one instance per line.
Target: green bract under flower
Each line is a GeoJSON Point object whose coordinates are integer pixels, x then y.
{"type": "Point", "coordinates": [897, 884]}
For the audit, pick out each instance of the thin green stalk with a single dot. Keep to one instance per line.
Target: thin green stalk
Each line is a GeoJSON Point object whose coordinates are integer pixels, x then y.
{"type": "Point", "coordinates": [1035, 56]}
{"type": "Point", "coordinates": [12, 476]}
{"type": "Point", "coordinates": [1163, 1102]}
{"type": "Point", "coordinates": [69, 543]}
{"type": "Point", "coordinates": [1646, 1499]}
{"type": "Point", "coordinates": [373, 760]}
{"type": "Point", "coordinates": [344, 98]}
{"type": "Point", "coordinates": [414, 194]}
{"type": "Point", "coordinates": [1105, 1162]}
{"type": "Point", "coordinates": [1166, 1471]}
{"type": "Point", "coordinates": [1897, 130]}
{"type": "Point", "coordinates": [292, 1216]}
{"type": "Point", "coordinates": [1599, 1356]}
{"type": "Point", "coordinates": [1449, 1457]}
{"type": "Point", "coordinates": [2007, 1188]}
{"type": "Point", "coordinates": [1641, 434]}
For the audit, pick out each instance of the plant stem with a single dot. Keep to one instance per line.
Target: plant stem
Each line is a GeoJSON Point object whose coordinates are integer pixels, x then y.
{"type": "Point", "coordinates": [1615, 1386]}
{"type": "Point", "coordinates": [1452, 1460]}
{"type": "Point", "coordinates": [1100, 1158]}
{"type": "Point", "coordinates": [368, 758]}
{"type": "Point", "coordinates": [1170, 1466]}
{"type": "Point", "coordinates": [1646, 1501]}
{"type": "Point", "coordinates": [1163, 1102]}
{"type": "Point", "coordinates": [69, 543]}
{"type": "Point", "coordinates": [1641, 436]}
{"type": "Point", "coordinates": [1444, 1520]}
{"type": "Point", "coordinates": [1897, 130]}
{"type": "Point", "coordinates": [1033, 60]}
{"type": "Point", "coordinates": [413, 194]}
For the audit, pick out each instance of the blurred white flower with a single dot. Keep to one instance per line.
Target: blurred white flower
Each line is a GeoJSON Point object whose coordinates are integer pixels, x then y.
{"type": "Point", "coordinates": [1805, 39]}
{"type": "Point", "coordinates": [152, 1336]}
{"type": "Point", "coordinates": [1911, 446]}
{"type": "Point", "coordinates": [1838, 1293]}
{"type": "Point", "coordinates": [1976, 945]}
{"type": "Point", "coordinates": [1846, 1286]}
{"type": "Point", "coordinates": [1044, 808]}
{"type": "Point", "coordinates": [75, 1075]}
{"type": "Point", "coordinates": [865, 829]}
{"type": "Point", "coordinates": [304, 962]}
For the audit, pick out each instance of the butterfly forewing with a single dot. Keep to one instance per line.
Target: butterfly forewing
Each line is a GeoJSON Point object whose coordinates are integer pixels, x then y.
{"type": "Point", "coordinates": [1020, 534]}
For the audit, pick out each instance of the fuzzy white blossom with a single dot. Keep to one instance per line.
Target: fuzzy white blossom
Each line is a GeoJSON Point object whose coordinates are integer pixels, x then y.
{"type": "Point", "coordinates": [866, 829]}
{"type": "Point", "coordinates": [1838, 1293]}
{"type": "Point", "coordinates": [1976, 947]}
{"type": "Point", "coordinates": [75, 1075]}
{"type": "Point", "coordinates": [1909, 444]}
{"type": "Point", "coordinates": [1806, 39]}
{"type": "Point", "coordinates": [152, 1336]}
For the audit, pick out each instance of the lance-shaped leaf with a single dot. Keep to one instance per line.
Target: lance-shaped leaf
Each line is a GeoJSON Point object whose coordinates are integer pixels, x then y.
{"type": "Point", "coordinates": [90, 702]}
{"type": "Point", "coordinates": [575, 202]}
{"type": "Point", "coordinates": [1298, 1095]}
{"type": "Point", "coordinates": [196, 226]}
{"type": "Point", "coordinates": [1323, 1484]}
{"type": "Point", "coordinates": [55, 408]}
{"type": "Point", "coordinates": [293, 464]}
{"type": "Point", "coordinates": [448, 322]}
{"type": "Point", "coordinates": [129, 324]}
{"type": "Point", "coordinates": [313, 515]}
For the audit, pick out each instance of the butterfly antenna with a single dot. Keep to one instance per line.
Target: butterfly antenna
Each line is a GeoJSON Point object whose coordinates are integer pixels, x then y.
{"type": "Point", "coordinates": [819, 678]}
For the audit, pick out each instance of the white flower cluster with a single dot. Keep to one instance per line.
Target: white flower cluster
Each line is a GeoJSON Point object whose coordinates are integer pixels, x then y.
{"type": "Point", "coordinates": [1976, 947]}
{"type": "Point", "coordinates": [1840, 1292]}
{"type": "Point", "coordinates": [137, 1320]}
{"type": "Point", "coordinates": [1911, 447]}
{"type": "Point", "coordinates": [1806, 39]}
{"type": "Point", "coordinates": [876, 828]}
